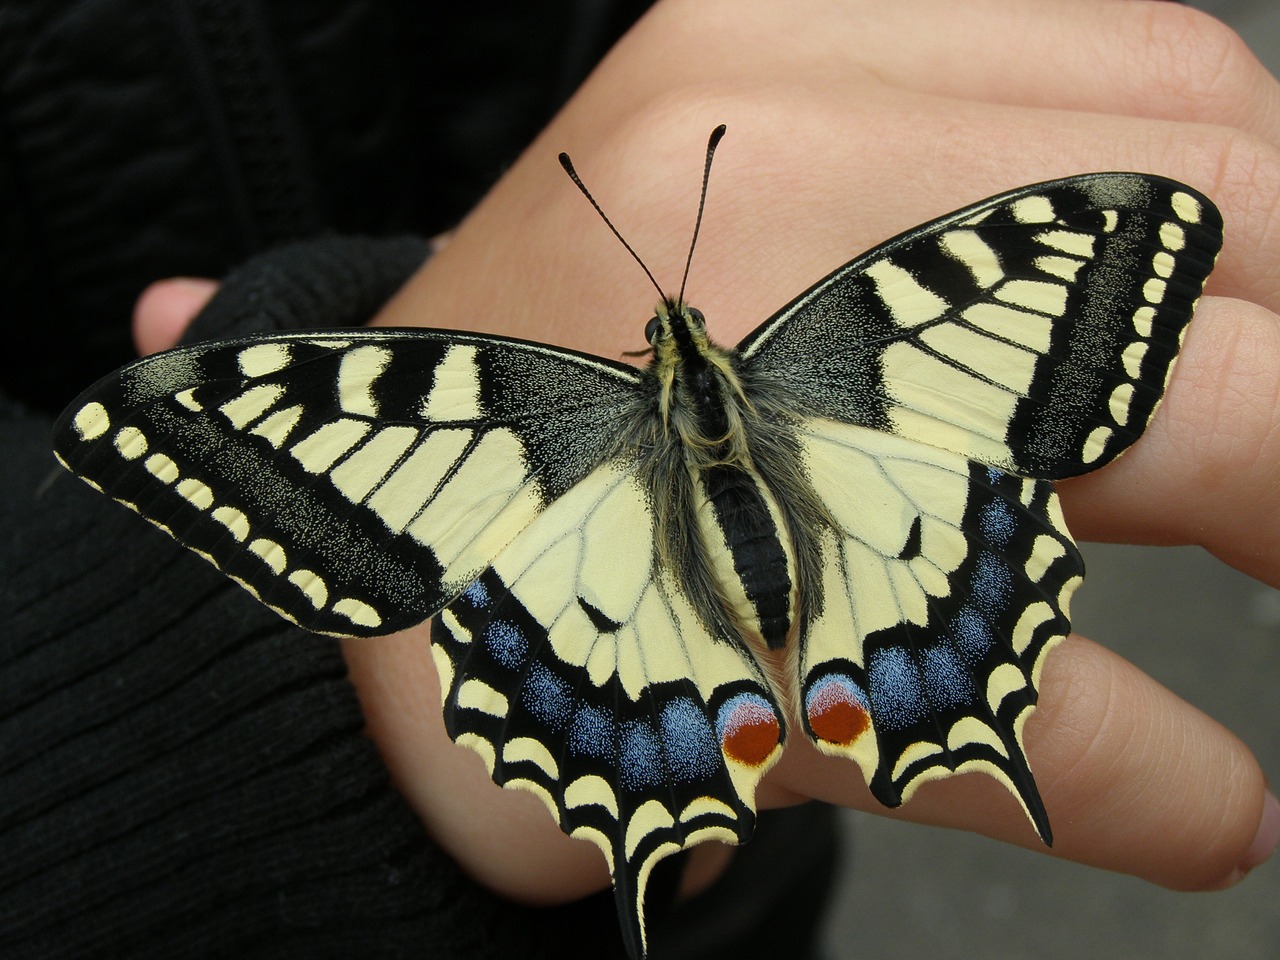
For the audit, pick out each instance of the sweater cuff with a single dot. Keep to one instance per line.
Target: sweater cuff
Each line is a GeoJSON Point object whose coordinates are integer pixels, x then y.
{"type": "Point", "coordinates": [329, 282]}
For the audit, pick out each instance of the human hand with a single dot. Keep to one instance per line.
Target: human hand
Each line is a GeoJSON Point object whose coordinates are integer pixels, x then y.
{"type": "Point", "coordinates": [871, 118]}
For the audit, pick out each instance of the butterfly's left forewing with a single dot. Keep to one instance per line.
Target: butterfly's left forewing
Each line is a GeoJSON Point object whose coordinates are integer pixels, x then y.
{"type": "Point", "coordinates": [577, 667]}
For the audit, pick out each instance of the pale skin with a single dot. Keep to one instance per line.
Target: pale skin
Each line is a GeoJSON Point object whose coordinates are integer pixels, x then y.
{"type": "Point", "coordinates": [849, 122]}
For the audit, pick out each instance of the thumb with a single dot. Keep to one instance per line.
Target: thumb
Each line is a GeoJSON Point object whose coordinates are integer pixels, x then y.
{"type": "Point", "coordinates": [165, 309]}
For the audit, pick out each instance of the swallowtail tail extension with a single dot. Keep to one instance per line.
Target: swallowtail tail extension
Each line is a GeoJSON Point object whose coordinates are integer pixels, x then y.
{"type": "Point", "coordinates": [642, 579]}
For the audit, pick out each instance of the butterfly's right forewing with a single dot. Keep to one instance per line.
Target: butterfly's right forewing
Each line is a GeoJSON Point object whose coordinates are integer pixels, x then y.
{"type": "Point", "coordinates": [353, 481]}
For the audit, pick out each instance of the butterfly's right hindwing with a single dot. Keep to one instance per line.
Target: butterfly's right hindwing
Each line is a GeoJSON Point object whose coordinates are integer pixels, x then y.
{"type": "Point", "coordinates": [354, 481]}
{"type": "Point", "coordinates": [945, 585]}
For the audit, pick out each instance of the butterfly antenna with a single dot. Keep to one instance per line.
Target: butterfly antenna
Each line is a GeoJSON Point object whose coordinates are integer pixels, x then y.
{"type": "Point", "coordinates": [573, 175]}
{"type": "Point", "coordinates": [712, 143]}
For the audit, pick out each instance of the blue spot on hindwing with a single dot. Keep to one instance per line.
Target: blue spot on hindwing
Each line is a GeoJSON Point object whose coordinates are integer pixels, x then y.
{"type": "Point", "coordinates": [991, 584]}
{"type": "Point", "coordinates": [477, 595]}
{"type": "Point", "coordinates": [547, 697]}
{"type": "Point", "coordinates": [640, 757]}
{"type": "Point", "coordinates": [897, 698]}
{"type": "Point", "coordinates": [946, 681]}
{"type": "Point", "coordinates": [971, 633]}
{"type": "Point", "coordinates": [997, 522]}
{"type": "Point", "coordinates": [692, 748]}
{"type": "Point", "coordinates": [506, 643]}
{"type": "Point", "coordinates": [593, 733]}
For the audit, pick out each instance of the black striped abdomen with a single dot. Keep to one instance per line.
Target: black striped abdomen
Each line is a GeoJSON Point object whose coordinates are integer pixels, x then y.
{"type": "Point", "coordinates": [750, 551]}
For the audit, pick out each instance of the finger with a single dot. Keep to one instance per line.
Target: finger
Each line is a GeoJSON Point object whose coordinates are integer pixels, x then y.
{"type": "Point", "coordinates": [1146, 783]}
{"type": "Point", "coordinates": [505, 839]}
{"type": "Point", "coordinates": [810, 200]}
{"type": "Point", "coordinates": [165, 309]}
{"type": "Point", "coordinates": [795, 193]}
{"type": "Point", "coordinates": [807, 179]}
{"type": "Point", "coordinates": [1134, 780]}
{"type": "Point", "coordinates": [1205, 471]}
{"type": "Point", "coordinates": [1139, 59]}
{"type": "Point", "coordinates": [1136, 58]}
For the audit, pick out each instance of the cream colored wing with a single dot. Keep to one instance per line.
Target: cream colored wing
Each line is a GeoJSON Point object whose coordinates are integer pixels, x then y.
{"type": "Point", "coordinates": [1033, 332]}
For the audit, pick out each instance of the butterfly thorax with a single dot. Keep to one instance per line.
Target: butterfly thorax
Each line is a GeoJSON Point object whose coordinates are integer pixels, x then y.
{"type": "Point", "coordinates": [700, 397]}
{"type": "Point", "coordinates": [744, 537]}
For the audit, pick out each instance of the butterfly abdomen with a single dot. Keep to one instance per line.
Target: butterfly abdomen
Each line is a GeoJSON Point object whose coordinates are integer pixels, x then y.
{"type": "Point", "coordinates": [750, 552]}
{"type": "Point", "coordinates": [743, 535]}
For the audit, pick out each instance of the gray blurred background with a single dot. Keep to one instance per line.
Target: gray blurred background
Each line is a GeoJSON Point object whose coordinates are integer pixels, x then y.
{"type": "Point", "coordinates": [1208, 633]}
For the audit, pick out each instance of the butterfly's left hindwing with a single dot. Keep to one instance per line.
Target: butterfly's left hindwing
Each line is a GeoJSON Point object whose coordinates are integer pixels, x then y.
{"type": "Point", "coordinates": [577, 667]}
{"type": "Point", "coordinates": [945, 585]}
{"type": "Point", "coordinates": [355, 482]}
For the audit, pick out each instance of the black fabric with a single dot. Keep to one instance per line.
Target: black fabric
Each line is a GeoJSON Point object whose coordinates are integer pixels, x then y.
{"type": "Point", "coordinates": [329, 282]}
{"type": "Point", "coordinates": [182, 774]}
{"type": "Point", "coordinates": [142, 139]}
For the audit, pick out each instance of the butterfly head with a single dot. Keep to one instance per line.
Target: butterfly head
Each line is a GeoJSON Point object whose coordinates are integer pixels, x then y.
{"type": "Point", "coordinates": [682, 351]}
{"type": "Point", "coordinates": [673, 322]}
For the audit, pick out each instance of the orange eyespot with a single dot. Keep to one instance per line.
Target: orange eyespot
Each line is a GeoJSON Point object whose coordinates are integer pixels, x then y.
{"type": "Point", "coordinates": [748, 728]}
{"type": "Point", "coordinates": [837, 710]}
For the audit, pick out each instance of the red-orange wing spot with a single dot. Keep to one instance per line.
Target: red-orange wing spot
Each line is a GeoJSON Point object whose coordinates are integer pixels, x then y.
{"type": "Point", "coordinates": [837, 710]}
{"type": "Point", "coordinates": [749, 729]}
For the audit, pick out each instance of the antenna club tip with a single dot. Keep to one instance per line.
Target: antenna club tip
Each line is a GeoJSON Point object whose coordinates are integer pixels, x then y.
{"type": "Point", "coordinates": [566, 162]}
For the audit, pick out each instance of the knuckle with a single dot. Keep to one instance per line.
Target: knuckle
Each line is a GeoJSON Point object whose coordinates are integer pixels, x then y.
{"type": "Point", "coordinates": [1251, 165]}
{"type": "Point", "coordinates": [1236, 440]}
{"type": "Point", "coordinates": [1195, 60]}
{"type": "Point", "coordinates": [1240, 171]}
{"type": "Point", "coordinates": [1246, 175]}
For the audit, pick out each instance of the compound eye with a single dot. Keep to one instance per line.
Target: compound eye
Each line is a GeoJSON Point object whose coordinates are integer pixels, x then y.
{"type": "Point", "coordinates": [696, 316]}
{"type": "Point", "coordinates": [651, 328]}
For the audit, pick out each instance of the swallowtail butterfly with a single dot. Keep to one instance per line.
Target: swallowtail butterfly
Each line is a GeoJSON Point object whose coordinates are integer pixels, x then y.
{"type": "Point", "coordinates": [643, 578]}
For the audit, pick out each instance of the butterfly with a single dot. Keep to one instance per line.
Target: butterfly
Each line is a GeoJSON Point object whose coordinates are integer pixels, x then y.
{"type": "Point", "coordinates": [644, 579]}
